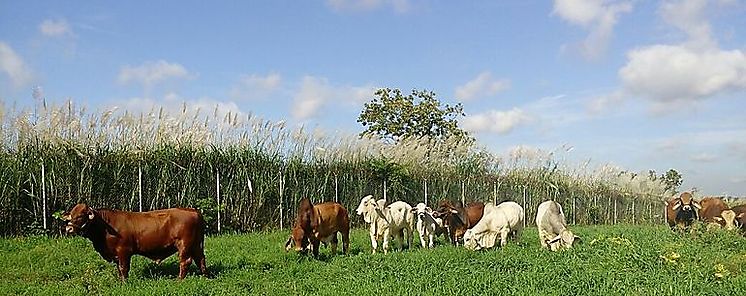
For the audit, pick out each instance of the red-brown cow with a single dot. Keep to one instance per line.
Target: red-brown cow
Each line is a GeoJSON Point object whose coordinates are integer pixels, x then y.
{"type": "Point", "coordinates": [458, 219]}
{"type": "Point", "coordinates": [740, 212]}
{"type": "Point", "coordinates": [316, 223]}
{"type": "Point", "coordinates": [715, 211]}
{"type": "Point", "coordinates": [682, 210]}
{"type": "Point", "coordinates": [117, 235]}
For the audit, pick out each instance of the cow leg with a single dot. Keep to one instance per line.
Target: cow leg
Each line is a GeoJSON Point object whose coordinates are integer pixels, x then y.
{"type": "Point", "coordinates": [386, 238]}
{"type": "Point", "coordinates": [124, 265]}
{"type": "Point", "coordinates": [408, 232]}
{"type": "Point", "coordinates": [334, 243]}
{"type": "Point", "coordinates": [504, 237]}
{"type": "Point", "coordinates": [345, 240]}
{"type": "Point", "coordinates": [373, 241]}
{"type": "Point", "coordinates": [315, 246]}
{"type": "Point", "coordinates": [432, 237]}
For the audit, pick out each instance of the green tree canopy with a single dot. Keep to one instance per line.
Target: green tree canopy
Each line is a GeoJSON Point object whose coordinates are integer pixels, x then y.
{"type": "Point", "coordinates": [673, 180]}
{"type": "Point", "coordinates": [393, 116]}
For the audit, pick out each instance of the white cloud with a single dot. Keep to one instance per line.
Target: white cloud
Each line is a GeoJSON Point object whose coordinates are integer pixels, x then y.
{"type": "Point", "coordinates": [55, 28]}
{"type": "Point", "coordinates": [703, 157]}
{"type": "Point", "coordinates": [484, 85]}
{"type": "Point", "coordinates": [315, 92]}
{"type": "Point", "coordinates": [256, 86]}
{"type": "Point", "coordinates": [14, 67]}
{"type": "Point", "coordinates": [151, 73]}
{"type": "Point", "coordinates": [598, 16]}
{"type": "Point", "coordinates": [500, 122]}
{"type": "Point", "coordinates": [399, 6]}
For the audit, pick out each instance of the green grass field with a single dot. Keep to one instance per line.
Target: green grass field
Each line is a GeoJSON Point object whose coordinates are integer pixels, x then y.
{"type": "Point", "coordinates": [612, 260]}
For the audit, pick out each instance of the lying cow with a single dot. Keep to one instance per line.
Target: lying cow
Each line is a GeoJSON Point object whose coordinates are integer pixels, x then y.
{"type": "Point", "coordinates": [317, 223]}
{"type": "Point", "coordinates": [740, 220]}
{"type": "Point", "coordinates": [681, 211]}
{"type": "Point", "coordinates": [457, 219]}
{"type": "Point", "coordinates": [553, 231]}
{"type": "Point", "coordinates": [505, 219]}
{"type": "Point", "coordinates": [428, 226]}
{"type": "Point", "coordinates": [715, 212]}
{"type": "Point", "coordinates": [117, 235]}
{"type": "Point", "coordinates": [395, 219]}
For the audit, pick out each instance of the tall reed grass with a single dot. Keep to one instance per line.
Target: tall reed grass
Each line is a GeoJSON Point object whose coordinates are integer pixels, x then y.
{"type": "Point", "coordinates": [266, 167]}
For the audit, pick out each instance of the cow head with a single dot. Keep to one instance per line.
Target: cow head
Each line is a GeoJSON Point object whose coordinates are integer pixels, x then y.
{"type": "Point", "coordinates": [686, 203]}
{"type": "Point", "coordinates": [297, 241]}
{"type": "Point", "coordinates": [366, 208]}
{"type": "Point", "coordinates": [78, 218]}
{"type": "Point", "coordinates": [421, 210]}
{"type": "Point", "coordinates": [727, 220]}
{"type": "Point", "coordinates": [566, 239]}
{"type": "Point", "coordinates": [477, 241]}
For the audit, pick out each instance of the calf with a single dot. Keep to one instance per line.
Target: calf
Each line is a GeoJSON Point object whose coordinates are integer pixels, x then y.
{"type": "Point", "coordinates": [505, 219]}
{"type": "Point", "coordinates": [457, 219]}
{"type": "Point", "coordinates": [428, 226]}
{"type": "Point", "coordinates": [395, 219]}
{"type": "Point", "coordinates": [681, 211]}
{"type": "Point", "coordinates": [317, 223]}
{"type": "Point", "coordinates": [715, 212]}
{"type": "Point", "coordinates": [117, 235]}
{"type": "Point", "coordinates": [553, 232]}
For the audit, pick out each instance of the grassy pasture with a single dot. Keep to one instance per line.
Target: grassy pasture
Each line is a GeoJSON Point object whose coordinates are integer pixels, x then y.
{"type": "Point", "coordinates": [612, 260]}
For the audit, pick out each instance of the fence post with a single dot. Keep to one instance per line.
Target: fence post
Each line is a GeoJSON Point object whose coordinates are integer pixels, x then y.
{"type": "Point", "coordinates": [384, 191]}
{"type": "Point", "coordinates": [336, 188]}
{"type": "Point", "coordinates": [139, 185]}
{"type": "Point", "coordinates": [217, 186]}
{"type": "Point", "coordinates": [282, 177]}
{"type": "Point", "coordinates": [524, 203]}
{"type": "Point", "coordinates": [43, 197]}
{"type": "Point", "coordinates": [425, 192]}
{"type": "Point", "coordinates": [463, 194]}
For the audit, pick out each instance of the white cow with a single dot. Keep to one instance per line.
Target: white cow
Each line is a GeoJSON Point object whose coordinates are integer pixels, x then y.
{"type": "Point", "coordinates": [505, 219]}
{"type": "Point", "coordinates": [395, 219]}
{"type": "Point", "coordinates": [428, 226]}
{"type": "Point", "coordinates": [553, 232]}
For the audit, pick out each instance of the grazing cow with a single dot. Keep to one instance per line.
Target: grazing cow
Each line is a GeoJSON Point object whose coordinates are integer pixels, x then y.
{"type": "Point", "coordinates": [740, 212]}
{"type": "Point", "coordinates": [117, 235]}
{"type": "Point", "coordinates": [428, 226]}
{"type": "Point", "coordinates": [681, 211]}
{"type": "Point", "coordinates": [457, 219]}
{"type": "Point", "coordinates": [505, 219]}
{"type": "Point", "coordinates": [395, 219]}
{"type": "Point", "coordinates": [715, 212]}
{"type": "Point", "coordinates": [553, 232]}
{"type": "Point", "coordinates": [317, 223]}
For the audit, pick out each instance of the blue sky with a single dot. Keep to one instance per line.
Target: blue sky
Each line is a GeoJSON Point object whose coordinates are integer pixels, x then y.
{"type": "Point", "coordinates": [637, 84]}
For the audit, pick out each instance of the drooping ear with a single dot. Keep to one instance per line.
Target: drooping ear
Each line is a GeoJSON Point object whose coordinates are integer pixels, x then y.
{"type": "Point", "coordinates": [428, 209]}
{"type": "Point", "coordinates": [696, 205]}
{"type": "Point", "coordinates": [716, 218]}
{"type": "Point", "coordinates": [677, 205]}
{"type": "Point", "coordinates": [66, 216]}
{"type": "Point", "coordinates": [741, 215]}
{"type": "Point", "coordinates": [454, 211]}
{"type": "Point", "coordinates": [91, 214]}
{"type": "Point", "coordinates": [288, 243]}
{"type": "Point", "coordinates": [554, 240]}
{"type": "Point", "coordinates": [413, 210]}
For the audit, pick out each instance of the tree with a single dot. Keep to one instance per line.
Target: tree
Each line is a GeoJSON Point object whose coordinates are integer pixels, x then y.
{"type": "Point", "coordinates": [393, 116]}
{"type": "Point", "coordinates": [673, 180]}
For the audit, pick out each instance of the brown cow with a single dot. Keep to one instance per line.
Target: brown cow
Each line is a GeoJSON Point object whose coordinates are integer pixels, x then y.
{"type": "Point", "coordinates": [458, 219]}
{"type": "Point", "coordinates": [117, 235]}
{"type": "Point", "coordinates": [714, 211]}
{"type": "Point", "coordinates": [740, 212]}
{"type": "Point", "coordinates": [682, 210]}
{"type": "Point", "coordinates": [316, 223]}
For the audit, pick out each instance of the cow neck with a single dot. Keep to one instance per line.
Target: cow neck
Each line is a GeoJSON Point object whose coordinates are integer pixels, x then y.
{"type": "Point", "coordinates": [100, 226]}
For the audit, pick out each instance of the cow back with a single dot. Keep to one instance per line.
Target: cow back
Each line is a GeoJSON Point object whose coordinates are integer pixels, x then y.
{"type": "Point", "coordinates": [330, 217]}
{"type": "Point", "coordinates": [711, 207]}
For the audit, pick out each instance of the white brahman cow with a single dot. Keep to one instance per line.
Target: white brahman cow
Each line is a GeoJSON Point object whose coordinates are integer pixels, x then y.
{"type": "Point", "coordinates": [505, 219]}
{"type": "Point", "coordinates": [428, 226]}
{"type": "Point", "coordinates": [553, 232]}
{"type": "Point", "coordinates": [395, 219]}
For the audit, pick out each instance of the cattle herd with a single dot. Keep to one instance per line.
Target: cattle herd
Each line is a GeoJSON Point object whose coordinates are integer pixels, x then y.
{"type": "Point", "coordinates": [117, 235]}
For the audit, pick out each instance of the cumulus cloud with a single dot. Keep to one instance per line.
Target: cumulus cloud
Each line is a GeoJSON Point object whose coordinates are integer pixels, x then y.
{"type": "Point", "coordinates": [494, 121]}
{"type": "Point", "coordinates": [151, 73]}
{"type": "Point", "coordinates": [484, 85]}
{"type": "Point", "coordinates": [14, 67]}
{"type": "Point", "coordinates": [399, 6]}
{"type": "Point", "coordinates": [256, 86]}
{"type": "Point", "coordinates": [315, 92]}
{"type": "Point", "coordinates": [597, 16]}
{"type": "Point", "coordinates": [55, 28]}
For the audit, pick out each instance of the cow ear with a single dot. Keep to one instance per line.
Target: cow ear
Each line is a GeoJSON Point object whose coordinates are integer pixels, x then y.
{"type": "Point", "coordinates": [288, 243]}
{"type": "Point", "coordinates": [66, 216]}
{"type": "Point", "coordinates": [428, 209]}
{"type": "Point", "coordinates": [454, 211]}
{"type": "Point", "coordinates": [554, 240]}
{"type": "Point", "coordinates": [741, 215]}
{"type": "Point", "coordinates": [717, 218]}
{"type": "Point", "coordinates": [677, 205]}
{"type": "Point", "coordinates": [696, 205]}
{"type": "Point", "coordinates": [91, 214]}
{"type": "Point", "coordinates": [413, 210]}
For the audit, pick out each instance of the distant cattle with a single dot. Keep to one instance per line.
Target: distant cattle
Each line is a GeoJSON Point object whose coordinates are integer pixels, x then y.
{"type": "Point", "coordinates": [317, 223]}
{"type": "Point", "coordinates": [428, 226]}
{"type": "Point", "coordinates": [504, 220]}
{"type": "Point", "coordinates": [740, 212]}
{"type": "Point", "coordinates": [457, 219]}
{"type": "Point", "coordinates": [395, 219]}
{"type": "Point", "coordinates": [715, 212]}
{"type": "Point", "coordinates": [682, 210]}
{"type": "Point", "coordinates": [117, 235]}
{"type": "Point", "coordinates": [553, 231]}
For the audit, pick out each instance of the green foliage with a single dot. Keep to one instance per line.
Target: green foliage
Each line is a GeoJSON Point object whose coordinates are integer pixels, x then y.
{"type": "Point", "coordinates": [610, 260]}
{"type": "Point", "coordinates": [673, 179]}
{"type": "Point", "coordinates": [393, 116]}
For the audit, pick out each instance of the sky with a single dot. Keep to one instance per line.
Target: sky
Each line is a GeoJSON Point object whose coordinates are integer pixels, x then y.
{"type": "Point", "coordinates": [642, 85]}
